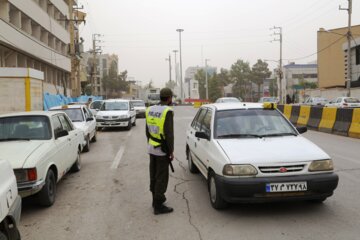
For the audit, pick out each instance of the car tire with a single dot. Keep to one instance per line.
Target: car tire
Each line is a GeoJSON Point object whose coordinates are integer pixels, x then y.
{"type": "Point", "coordinates": [3, 236]}
{"type": "Point", "coordinates": [94, 137]}
{"type": "Point", "coordinates": [192, 167]}
{"type": "Point", "coordinates": [87, 146]}
{"type": "Point", "coordinates": [46, 197]}
{"type": "Point", "coordinates": [129, 125]}
{"type": "Point", "coordinates": [216, 200]}
{"type": "Point", "coordinates": [134, 123]}
{"type": "Point", "coordinates": [77, 164]}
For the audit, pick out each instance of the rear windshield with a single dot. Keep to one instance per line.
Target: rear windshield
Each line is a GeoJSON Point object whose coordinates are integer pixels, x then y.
{"type": "Point", "coordinates": [75, 114]}
{"type": "Point", "coordinates": [351, 100]}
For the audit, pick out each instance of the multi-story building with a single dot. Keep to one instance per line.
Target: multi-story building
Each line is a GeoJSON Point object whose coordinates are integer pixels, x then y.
{"type": "Point", "coordinates": [332, 57]}
{"type": "Point", "coordinates": [191, 85]}
{"type": "Point", "coordinates": [103, 62]}
{"type": "Point", "coordinates": [36, 34]}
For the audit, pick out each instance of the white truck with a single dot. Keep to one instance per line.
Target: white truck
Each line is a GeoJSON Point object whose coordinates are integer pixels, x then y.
{"type": "Point", "coordinates": [10, 203]}
{"type": "Point", "coordinates": [152, 96]}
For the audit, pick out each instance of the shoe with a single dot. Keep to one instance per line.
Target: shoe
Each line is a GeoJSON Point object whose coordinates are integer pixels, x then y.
{"type": "Point", "coordinates": [162, 209]}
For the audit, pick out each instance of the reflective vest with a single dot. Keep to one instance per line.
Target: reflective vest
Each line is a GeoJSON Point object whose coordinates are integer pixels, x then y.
{"type": "Point", "coordinates": [155, 120]}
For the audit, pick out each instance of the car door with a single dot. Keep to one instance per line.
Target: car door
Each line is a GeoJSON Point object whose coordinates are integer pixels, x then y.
{"type": "Point", "coordinates": [62, 146]}
{"type": "Point", "coordinates": [132, 111]}
{"type": "Point", "coordinates": [92, 123]}
{"type": "Point", "coordinates": [204, 145]}
{"type": "Point", "coordinates": [339, 102]}
{"type": "Point", "coordinates": [72, 140]}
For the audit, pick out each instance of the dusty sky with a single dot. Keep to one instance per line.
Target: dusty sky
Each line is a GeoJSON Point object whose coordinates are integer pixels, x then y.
{"type": "Point", "coordinates": [143, 32]}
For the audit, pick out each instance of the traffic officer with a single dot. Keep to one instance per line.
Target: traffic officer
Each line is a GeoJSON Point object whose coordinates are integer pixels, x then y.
{"type": "Point", "coordinates": [160, 135]}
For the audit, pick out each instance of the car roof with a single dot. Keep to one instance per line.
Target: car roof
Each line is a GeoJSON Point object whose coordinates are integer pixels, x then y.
{"type": "Point", "coordinates": [116, 100]}
{"type": "Point", "coordinates": [232, 106]}
{"type": "Point", "coordinates": [32, 113]}
{"type": "Point", "coordinates": [67, 106]}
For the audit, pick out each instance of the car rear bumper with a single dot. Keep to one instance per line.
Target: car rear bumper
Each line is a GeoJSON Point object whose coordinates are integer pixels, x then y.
{"type": "Point", "coordinates": [15, 210]}
{"type": "Point", "coordinates": [243, 190]}
{"type": "Point", "coordinates": [29, 189]}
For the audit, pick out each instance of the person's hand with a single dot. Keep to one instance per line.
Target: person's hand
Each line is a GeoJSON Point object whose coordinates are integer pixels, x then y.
{"type": "Point", "coordinates": [171, 157]}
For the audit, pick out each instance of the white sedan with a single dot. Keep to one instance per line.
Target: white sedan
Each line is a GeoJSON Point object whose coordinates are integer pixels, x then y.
{"type": "Point", "coordinates": [83, 119]}
{"type": "Point", "coordinates": [249, 152]}
{"type": "Point", "coordinates": [344, 102]}
{"type": "Point", "coordinates": [41, 147]}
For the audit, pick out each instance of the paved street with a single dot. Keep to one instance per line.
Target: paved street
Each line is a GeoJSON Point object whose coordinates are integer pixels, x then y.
{"type": "Point", "coordinates": [109, 198]}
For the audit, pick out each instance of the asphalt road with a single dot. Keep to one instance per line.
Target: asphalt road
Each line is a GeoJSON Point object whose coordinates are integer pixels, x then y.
{"type": "Point", "coordinates": [110, 199]}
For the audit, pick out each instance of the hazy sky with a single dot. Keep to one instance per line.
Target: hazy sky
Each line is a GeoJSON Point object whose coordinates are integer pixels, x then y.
{"type": "Point", "coordinates": [143, 32]}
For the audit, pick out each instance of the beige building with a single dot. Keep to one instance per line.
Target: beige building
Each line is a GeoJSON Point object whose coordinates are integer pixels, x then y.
{"type": "Point", "coordinates": [331, 57]}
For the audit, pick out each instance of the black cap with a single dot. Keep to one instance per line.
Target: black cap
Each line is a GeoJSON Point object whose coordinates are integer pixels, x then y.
{"type": "Point", "coordinates": [166, 92]}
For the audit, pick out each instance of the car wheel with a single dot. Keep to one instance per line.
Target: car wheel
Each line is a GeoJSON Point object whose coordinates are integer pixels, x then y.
{"type": "Point", "coordinates": [134, 124]}
{"type": "Point", "coordinates": [216, 200]}
{"type": "Point", "coordinates": [94, 137]}
{"type": "Point", "coordinates": [192, 167]}
{"type": "Point", "coordinates": [87, 146]}
{"type": "Point", "coordinates": [129, 125]}
{"type": "Point", "coordinates": [3, 236]}
{"type": "Point", "coordinates": [77, 164]}
{"type": "Point", "coordinates": [46, 196]}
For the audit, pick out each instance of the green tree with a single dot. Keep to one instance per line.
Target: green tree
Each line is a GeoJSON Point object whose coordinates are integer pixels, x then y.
{"type": "Point", "coordinates": [214, 88]}
{"type": "Point", "coordinates": [200, 77]}
{"type": "Point", "coordinates": [224, 79]}
{"type": "Point", "coordinates": [240, 73]}
{"type": "Point", "coordinates": [259, 72]}
{"type": "Point", "coordinates": [122, 83]}
{"type": "Point", "coordinates": [109, 80]}
{"type": "Point", "coordinates": [149, 85]}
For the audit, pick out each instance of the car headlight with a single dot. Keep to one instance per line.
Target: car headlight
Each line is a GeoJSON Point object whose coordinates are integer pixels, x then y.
{"type": "Point", "coordinates": [25, 175]}
{"type": "Point", "coordinates": [239, 170]}
{"type": "Point", "coordinates": [321, 165]}
{"type": "Point", "coordinates": [124, 116]}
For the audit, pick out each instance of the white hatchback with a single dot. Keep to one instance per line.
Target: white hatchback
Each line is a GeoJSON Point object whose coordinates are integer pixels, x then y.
{"type": "Point", "coordinates": [249, 152]}
{"type": "Point", "coordinates": [83, 119]}
{"type": "Point", "coordinates": [116, 113]}
{"type": "Point", "coordinates": [344, 102]}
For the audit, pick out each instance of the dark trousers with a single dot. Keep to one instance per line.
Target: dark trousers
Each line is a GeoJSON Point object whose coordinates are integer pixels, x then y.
{"type": "Point", "coordinates": [159, 178]}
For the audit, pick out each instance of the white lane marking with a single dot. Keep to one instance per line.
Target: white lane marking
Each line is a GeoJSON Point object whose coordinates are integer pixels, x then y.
{"type": "Point", "coordinates": [344, 158]}
{"type": "Point", "coordinates": [118, 157]}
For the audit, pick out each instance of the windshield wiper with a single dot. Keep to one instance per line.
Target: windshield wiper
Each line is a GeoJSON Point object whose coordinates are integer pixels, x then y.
{"type": "Point", "coordinates": [279, 134]}
{"type": "Point", "coordinates": [239, 136]}
{"type": "Point", "coordinates": [14, 139]}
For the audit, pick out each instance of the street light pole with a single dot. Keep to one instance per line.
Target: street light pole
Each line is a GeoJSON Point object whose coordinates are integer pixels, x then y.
{"type": "Point", "coordinates": [206, 79]}
{"type": "Point", "coordinates": [280, 62]}
{"type": "Point", "coordinates": [181, 80]}
{"type": "Point", "coordinates": [348, 78]}
{"type": "Point", "coordinates": [169, 59]}
{"type": "Point", "coordinates": [176, 72]}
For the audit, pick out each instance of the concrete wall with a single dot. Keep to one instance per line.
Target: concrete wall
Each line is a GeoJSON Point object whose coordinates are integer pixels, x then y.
{"type": "Point", "coordinates": [332, 93]}
{"type": "Point", "coordinates": [21, 89]}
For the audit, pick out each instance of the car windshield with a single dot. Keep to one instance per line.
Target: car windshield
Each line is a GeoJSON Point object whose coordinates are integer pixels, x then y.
{"type": "Point", "coordinates": [226, 100]}
{"type": "Point", "coordinates": [251, 123]}
{"type": "Point", "coordinates": [75, 114]}
{"type": "Point", "coordinates": [115, 106]}
{"type": "Point", "coordinates": [96, 105]}
{"type": "Point", "coordinates": [24, 128]}
{"type": "Point", "coordinates": [139, 104]}
{"type": "Point", "coordinates": [351, 100]}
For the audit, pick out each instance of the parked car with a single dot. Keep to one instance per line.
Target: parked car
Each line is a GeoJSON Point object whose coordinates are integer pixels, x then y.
{"type": "Point", "coordinates": [83, 119]}
{"type": "Point", "coordinates": [140, 108]}
{"type": "Point", "coordinates": [316, 101]}
{"type": "Point", "coordinates": [227, 100]}
{"type": "Point", "coordinates": [344, 102]}
{"type": "Point", "coordinates": [250, 152]}
{"type": "Point", "coordinates": [116, 113]}
{"type": "Point", "coordinates": [41, 147]}
{"type": "Point", "coordinates": [95, 106]}
{"type": "Point", "coordinates": [10, 203]}
{"type": "Point", "coordinates": [269, 99]}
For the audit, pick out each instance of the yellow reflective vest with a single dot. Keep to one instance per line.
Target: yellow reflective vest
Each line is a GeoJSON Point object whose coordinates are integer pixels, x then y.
{"type": "Point", "coordinates": [155, 120]}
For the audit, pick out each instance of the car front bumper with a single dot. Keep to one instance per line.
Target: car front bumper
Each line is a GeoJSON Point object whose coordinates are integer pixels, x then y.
{"type": "Point", "coordinates": [244, 190]}
{"type": "Point", "coordinates": [29, 189]}
{"type": "Point", "coordinates": [113, 123]}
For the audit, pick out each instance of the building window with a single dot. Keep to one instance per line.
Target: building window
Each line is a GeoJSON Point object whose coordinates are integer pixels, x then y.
{"type": "Point", "coordinates": [310, 75]}
{"type": "Point", "coordinates": [357, 53]}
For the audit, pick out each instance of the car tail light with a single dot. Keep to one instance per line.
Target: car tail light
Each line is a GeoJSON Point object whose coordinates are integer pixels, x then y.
{"type": "Point", "coordinates": [32, 174]}
{"type": "Point", "coordinates": [25, 175]}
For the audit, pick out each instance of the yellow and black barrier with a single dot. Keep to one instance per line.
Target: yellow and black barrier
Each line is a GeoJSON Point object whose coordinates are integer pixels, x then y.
{"type": "Point", "coordinates": [345, 122]}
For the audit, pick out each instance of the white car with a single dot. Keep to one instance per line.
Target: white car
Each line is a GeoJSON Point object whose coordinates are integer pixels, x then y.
{"type": "Point", "coordinates": [269, 99]}
{"type": "Point", "coordinates": [10, 203]}
{"type": "Point", "coordinates": [41, 148]}
{"type": "Point", "coordinates": [315, 101]}
{"type": "Point", "coordinates": [95, 106]}
{"type": "Point", "coordinates": [116, 113]}
{"type": "Point", "coordinates": [83, 119]}
{"type": "Point", "coordinates": [344, 102]}
{"type": "Point", "coordinates": [249, 152]}
{"type": "Point", "coordinates": [140, 108]}
{"type": "Point", "coordinates": [227, 100]}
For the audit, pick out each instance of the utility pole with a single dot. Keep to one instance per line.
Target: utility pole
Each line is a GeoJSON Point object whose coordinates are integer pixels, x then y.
{"type": "Point", "coordinates": [176, 70]}
{"type": "Point", "coordinates": [278, 31]}
{"type": "Point", "coordinates": [349, 35]}
{"type": "Point", "coordinates": [206, 79]}
{"type": "Point", "coordinates": [181, 79]}
{"type": "Point", "coordinates": [96, 50]}
{"type": "Point", "coordinates": [169, 59]}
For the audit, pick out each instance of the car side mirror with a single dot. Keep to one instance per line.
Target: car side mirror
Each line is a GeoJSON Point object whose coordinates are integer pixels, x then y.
{"type": "Point", "coordinates": [202, 135]}
{"type": "Point", "coordinates": [301, 130]}
{"type": "Point", "coordinates": [61, 133]}
{"type": "Point", "coordinates": [90, 119]}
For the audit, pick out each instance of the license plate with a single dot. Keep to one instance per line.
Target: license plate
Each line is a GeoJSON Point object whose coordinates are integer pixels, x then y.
{"type": "Point", "coordinates": [286, 187]}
